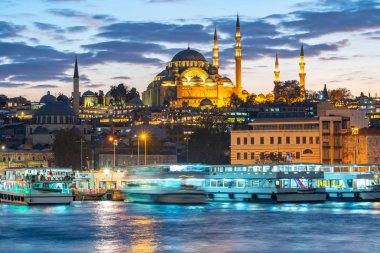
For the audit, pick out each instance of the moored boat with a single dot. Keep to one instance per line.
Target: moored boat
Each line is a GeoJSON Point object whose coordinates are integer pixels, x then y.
{"type": "Point", "coordinates": [36, 186]}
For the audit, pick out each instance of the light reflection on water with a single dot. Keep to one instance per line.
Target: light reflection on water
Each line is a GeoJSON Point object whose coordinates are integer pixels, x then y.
{"type": "Point", "coordinates": [216, 227]}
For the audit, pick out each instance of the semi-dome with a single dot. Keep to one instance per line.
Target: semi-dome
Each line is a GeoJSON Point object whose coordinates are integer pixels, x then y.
{"type": "Point", "coordinates": [196, 79]}
{"type": "Point", "coordinates": [206, 102]}
{"type": "Point", "coordinates": [41, 130]}
{"type": "Point", "coordinates": [48, 98]}
{"type": "Point", "coordinates": [209, 80]}
{"type": "Point", "coordinates": [88, 94]}
{"type": "Point", "coordinates": [55, 108]}
{"type": "Point", "coordinates": [189, 55]}
{"type": "Point", "coordinates": [213, 70]}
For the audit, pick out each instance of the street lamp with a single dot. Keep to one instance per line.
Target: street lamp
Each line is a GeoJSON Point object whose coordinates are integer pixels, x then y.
{"type": "Point", "coordinates": [114, 142]}
{"type": "Point", "coordinates": [144, 137]}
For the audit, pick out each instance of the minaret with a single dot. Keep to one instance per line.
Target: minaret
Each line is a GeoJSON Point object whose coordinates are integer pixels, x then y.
{"type": "Point", "coordinates": [238, 89]}
{"type": "Point", "coordinates": [276, 71]}
{"type": "Point", "coordinates": [215, 51]}
{"type": "Point", "coordinates": [302, 75]}
{"type": "Point", "coordinates": [76, 93]}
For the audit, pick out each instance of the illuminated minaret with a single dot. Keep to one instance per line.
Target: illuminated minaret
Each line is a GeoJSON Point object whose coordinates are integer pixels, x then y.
{"type": "Point", "coordinates": [276, 71]}
{"type": "Point", "coordinates": [215, 51]}
{"type": "Point", "coordinates": [76, 93]}
{"type": "Point", "coordinates": [302, 75]}
{"type": "Point", "coordinates": [238, 57]}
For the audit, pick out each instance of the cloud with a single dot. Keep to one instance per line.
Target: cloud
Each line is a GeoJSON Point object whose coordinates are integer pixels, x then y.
{"type": "Point", "coordinates": [76, 29]}
{"type": "Point", "coordinates": [12, 85]}
{"type": "Point", "coordinates": [43, 86]}
{"type": "Point", "coordinates": [121, 78]}
{"type": "Point", "coordinates": [67, 13]}
{"type": "Point", "coordinates": [157, 32]}
{"type": "Point", "coordinates": [122, 51]}
{"type": "Point", "coordinates": [9, 30]}
{"type": "Point", "coordinates": [48, 27]}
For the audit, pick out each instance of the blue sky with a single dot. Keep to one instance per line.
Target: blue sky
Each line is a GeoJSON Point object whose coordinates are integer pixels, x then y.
{"type": "Point", "coordinates": [131, 41]}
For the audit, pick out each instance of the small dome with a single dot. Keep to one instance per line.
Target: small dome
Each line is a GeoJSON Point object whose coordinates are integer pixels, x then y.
{"type": "Point", "coordinates": [108, 94]}
{"type": "Point", "coordinates": [55, 108]}
{"type": "Point", "coordinates": [63, 98]}
{"type": "Point", "coordinates": [245, 92]}
{"type": "Point", "coordinates": [135, 102]}
{"type": "Point", "coordinates": [41, 130]}
{"type": "Point", "coordinates": [225, 79]}
{"type": "Point", "coordinates": [209, 80]}
{"type": "Point", "coordinates": [88, 94]}
{"type": "Point", "coordinates": [213, 70]}
{"type": "Point", "coordinates": [184, 79]}
{"type": "Point", "coordinates": [206, 102]}
{"type": "Point", "coordinates": [196, 79]}
{"type": "Point", "coordinates": [189, 55]}
{"type": "Point", "coordinates": [48, 98]}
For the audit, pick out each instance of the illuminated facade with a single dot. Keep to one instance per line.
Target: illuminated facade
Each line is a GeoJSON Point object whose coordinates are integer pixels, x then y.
{"type": "Point", "coordinates": [189, 79]}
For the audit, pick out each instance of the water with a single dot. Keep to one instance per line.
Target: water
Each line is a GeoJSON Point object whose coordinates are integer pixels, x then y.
{"type": "Point", "coordinates": [216, 227]}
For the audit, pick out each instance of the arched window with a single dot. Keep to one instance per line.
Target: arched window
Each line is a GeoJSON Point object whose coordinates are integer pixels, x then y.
{"type": "Point", "coordinates": [307, 152]}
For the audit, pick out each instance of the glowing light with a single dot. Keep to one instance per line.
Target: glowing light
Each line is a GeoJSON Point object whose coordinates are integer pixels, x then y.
{"type": "Point", "coordinates": [106, 172]}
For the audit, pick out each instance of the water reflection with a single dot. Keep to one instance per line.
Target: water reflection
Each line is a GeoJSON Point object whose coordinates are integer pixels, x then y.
{"type": "Point", "coordinates": [215, 227]}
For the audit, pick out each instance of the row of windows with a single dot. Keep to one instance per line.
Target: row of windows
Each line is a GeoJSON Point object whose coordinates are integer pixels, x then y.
{"type": "Point", "coordinates": [19, 158]}
{"type": "Point", "coordinates": [272, 140]}
{"type": "Point", "coordinates": [271, 155]}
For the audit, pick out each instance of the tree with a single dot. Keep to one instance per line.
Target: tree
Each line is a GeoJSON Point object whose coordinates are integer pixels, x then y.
{"type": "Point", "coordinates": [119, 93]}
{"type": "Point", "coordinates": [100, 97]}
{"type": "Point", "coordinates": [250, 100]}
{"type": "Point", "coordinates": [235, 101]}
{"type": "Point", "coordinates": [67, 149]}
{"type": "Point", "coordinates": [132, 93]}
{"type": "Point", "coordinates": [288, 92]}
{"type": "Point", "coordinates": [338, 94]}
{"type": "Point", "coordinates": [209, 147]}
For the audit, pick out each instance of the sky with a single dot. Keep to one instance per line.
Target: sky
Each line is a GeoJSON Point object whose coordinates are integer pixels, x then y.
{"type": "Point", "coordinates": [131, 41]}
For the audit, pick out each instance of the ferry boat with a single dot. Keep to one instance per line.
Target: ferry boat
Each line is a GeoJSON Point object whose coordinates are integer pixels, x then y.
{"type": "Point", "coordinates": [36, 186]}
{"type": "Point", "coordinates": [352, 182]}
{"type": "Point", "coordinates": [265, 183]}
{"type": "Point", "coordinates": [165, 185]}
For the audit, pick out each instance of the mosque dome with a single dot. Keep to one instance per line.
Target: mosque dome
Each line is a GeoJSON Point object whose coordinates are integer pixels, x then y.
{"type": "Point", "coordinates": [189, 55]}
{"type": "Point", "coordinates": [88, 94]}
{"type": "Point", "coordinates": [55, 108]}
{"type": "Point", "coordinates": [209, 80]}
{"type": "Point", "coordinates": [48, 98]}
{"type": "Point", "coordinates": [184, 79]}
{"type": "Point", "coordinates": [63, 98]}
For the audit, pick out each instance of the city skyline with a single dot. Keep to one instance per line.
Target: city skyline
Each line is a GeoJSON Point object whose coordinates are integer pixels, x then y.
{"type": "Point", "coordinates": [130, 42]}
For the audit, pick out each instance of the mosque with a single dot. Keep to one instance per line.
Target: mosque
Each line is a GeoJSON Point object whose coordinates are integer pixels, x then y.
{"type": "Point", "coordinates": [189, 79]}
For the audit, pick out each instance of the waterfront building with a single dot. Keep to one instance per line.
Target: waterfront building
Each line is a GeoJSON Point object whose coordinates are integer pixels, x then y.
{"type": "Point", "coordinates": [361, 146]}
{"type": "Point", "coordinates": [297, 140]}
{"type": "Point", "coordinates": [25, 156]}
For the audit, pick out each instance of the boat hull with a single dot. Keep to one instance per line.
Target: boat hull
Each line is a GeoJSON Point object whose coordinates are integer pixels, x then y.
{"type": "Point", "coordinates": [182, 198]}
{"type": "Point", "coordinates": [36, 199]}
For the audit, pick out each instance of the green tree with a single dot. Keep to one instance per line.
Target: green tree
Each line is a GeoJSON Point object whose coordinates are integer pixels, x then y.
{"type": "Point", "coordinates": [67, 149]}
{"type": "Point", "coordinates": [119, 93]}
{"type": "Point", "coordinates": [288, 92]}
{"type": "Point", "coordinates": [338, 94]}
{"type": "Point", "coordinates": [100, 97]}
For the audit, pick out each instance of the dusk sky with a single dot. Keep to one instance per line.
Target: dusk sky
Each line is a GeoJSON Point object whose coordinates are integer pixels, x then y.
{"type": "Point", "coordinates": [132, 41]}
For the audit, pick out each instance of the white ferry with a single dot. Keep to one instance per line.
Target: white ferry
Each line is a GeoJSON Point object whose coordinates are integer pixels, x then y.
{"type": "Point", "coordinates": [171, 184]}
{"type": "Point", "coordinates": [36, 186]}
{"type": "Point", "coordinates": [352, 182]}
{"type": "Point", "coordinates": [265, 183]}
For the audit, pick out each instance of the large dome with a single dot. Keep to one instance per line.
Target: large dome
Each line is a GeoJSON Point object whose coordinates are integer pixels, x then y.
{"type": "Point", "coordinates": [55, 108]}
{"type": "Point", "coordinates": [189, 55]}
{"type": "Point", "coordinates": [48, 98]}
